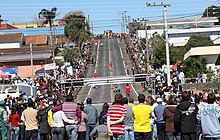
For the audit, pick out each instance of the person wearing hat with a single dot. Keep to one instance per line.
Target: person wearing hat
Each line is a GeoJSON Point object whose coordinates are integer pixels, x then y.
{"type": "Point", "coordinates": [159, 119]}
{"type": "Point", "coordinates": [3, 120]}
{"type": "Point", "coordinates": [42, 121]}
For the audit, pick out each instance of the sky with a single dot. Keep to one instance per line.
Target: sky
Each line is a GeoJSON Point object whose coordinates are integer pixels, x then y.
{"type": "Point", "coordinates": [103, 14]}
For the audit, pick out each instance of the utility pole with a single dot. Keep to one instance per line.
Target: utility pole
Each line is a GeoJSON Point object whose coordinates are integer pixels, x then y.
{"type": "Point", "coordinates": [92, 27]}
{"type": "Point", "coordinates": [207, 10]}
{"type": "Point", "coordinates": [32, 68]}
{"type": "Point", "coordinates": [123, 21]}
{"type": "Point", "coordinates": [166, 37]}
{"type": "Point", "coordinates": [126, 21]}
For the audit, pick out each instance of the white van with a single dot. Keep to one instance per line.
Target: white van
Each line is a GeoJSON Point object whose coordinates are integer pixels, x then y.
{"type": "Point", "coordinates": [14, 90]}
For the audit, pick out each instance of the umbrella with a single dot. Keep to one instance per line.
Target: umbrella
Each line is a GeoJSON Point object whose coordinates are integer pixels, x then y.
{"type": "Point", "coordinates": [4, 75]}
{"type": "Point", "coordinates": [8, 71]}
{"type": "Point", "coordinates": [41, 71]}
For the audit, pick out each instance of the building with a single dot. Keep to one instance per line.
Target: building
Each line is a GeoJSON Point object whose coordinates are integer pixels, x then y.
{"type": "Point", "coordinates": [211, 53]}
{"type": "Point", "coordinates": [15, 52]}
{"type": "Point", "coordinates": [179, 31]}
{"type": "Point", "coordinates": [6, 27]}
{"type": "Point", "coordinates": [57, 30]}
{"type": "Point", "coordinates": [36, 24]}
{"type": "Point", "coordinates": [8, 41]}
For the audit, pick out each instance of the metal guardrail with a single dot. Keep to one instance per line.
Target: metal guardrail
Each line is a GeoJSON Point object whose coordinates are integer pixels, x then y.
{"type": "Point", "coordinates": [106, 80]}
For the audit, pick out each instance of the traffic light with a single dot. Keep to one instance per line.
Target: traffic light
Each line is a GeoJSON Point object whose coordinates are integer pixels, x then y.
{"type": "Point", "coordinates": [140, 78]}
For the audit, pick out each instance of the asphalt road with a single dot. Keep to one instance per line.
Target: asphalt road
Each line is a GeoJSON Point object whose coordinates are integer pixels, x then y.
{"type": "Point", "coordinates": [110, 52]}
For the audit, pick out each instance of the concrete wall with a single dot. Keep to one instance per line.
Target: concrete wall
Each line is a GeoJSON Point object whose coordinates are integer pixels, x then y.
{"type": "Point", "coordinates": [26, 71]}
{"type": "Point", "coordinates": [9, 45]}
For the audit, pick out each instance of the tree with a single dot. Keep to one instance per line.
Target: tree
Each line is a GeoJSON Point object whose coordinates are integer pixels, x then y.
{"type": "Point", "coordinates": [159, 50]}
{"type": "Point", "coordinates": [213, 11]}
{"type": "Point", "coordinates": [198, 41]}
{"type": "Point", "coordinates": [194, 65]}
{"type": "Point", "coordinates": [134, 26]}
{"type": "Point", "coordinates": [70, 54]}
{"type": "Point", "coordinates": [76, 28]}
{"type": "Point", "coordinates": [48, 16]}
{"type": "Point", "coordinates": [1, 20]}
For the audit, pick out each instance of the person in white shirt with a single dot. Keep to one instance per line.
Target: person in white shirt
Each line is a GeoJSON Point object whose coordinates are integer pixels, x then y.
{"type": "Point", "coordinates": [182, 77]}
{"type": "Point", "coordinates": [59, 118]}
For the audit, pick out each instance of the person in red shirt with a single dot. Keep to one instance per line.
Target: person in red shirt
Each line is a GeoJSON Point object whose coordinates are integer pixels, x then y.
{"type": "Point", "coordinates": [95, 76]}
{"type": "Point", "coordinates": [14, 119]}
{"type": "Point", "coordinates": [115, 116]}
{"type": "Point", "coordinates": [128, 90]}
{"type": "Point", "coordinates": [110, 65]}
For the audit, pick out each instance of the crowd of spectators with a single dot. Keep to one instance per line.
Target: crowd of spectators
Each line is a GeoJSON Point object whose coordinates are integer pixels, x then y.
{"type": "Point", "coordinates": [189, 116]}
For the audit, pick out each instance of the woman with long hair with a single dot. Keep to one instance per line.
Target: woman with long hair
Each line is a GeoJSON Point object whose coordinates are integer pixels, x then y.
{"type": "Point", "coordinates": [82, 125]}
{"type": "Point", "coordinates": [103, 114]}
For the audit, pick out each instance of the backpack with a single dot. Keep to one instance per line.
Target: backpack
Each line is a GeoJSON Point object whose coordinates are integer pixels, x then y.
{"type": "Point", "coordinates": [50, 118]}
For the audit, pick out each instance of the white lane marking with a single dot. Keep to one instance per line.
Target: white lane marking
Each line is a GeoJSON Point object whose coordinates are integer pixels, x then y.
{"type": "Point", "coordinates": [125, 67]}
{"type": "Point", "coordinates": [134, 90]}
{"type": "Point", "coordinates": [88, 95]}
{"type": "Point", "coordinates": [121, 53]}
{"type": "Point", "coordinates": [97, 57]}
{"type": "Point", "coordinates": [127, 73]}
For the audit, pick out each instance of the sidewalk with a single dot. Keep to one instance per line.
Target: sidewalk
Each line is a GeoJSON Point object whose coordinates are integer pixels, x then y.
{"type": "Point", "coordinates": [128, 62]}
{"type": "Point", "coordinates": [83, 92]}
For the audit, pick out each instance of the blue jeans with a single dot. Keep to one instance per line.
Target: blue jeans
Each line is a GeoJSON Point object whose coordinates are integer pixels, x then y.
{"type": "Point", "coordinates": [171, 136]}
{"type": "Point", "coordinates": [71, 132]}
{"type": "Point", "coordinates": [58, 133]}
{"type": "Point", "coordinates": [14, 133]}
{"type": "Point", "coordinates": [119, 137]}
{"type": "Point", "coordinates": [89, 128]}
{"type": "Point", "coordinates": [129, 133]}
{"type": "Point", "coordinates": [21, 132]}
{"type": "Point", "coordinates": [154, 131]}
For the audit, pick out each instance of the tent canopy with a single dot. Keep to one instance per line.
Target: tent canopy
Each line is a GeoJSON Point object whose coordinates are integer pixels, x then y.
{"type": "Point", "coordinates": [4, 75]}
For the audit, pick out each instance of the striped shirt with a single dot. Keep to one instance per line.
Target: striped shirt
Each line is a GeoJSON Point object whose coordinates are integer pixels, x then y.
{"type": "Point", "coordinates": [115, 112]}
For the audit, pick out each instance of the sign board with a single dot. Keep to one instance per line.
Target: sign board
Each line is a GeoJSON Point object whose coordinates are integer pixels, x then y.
{"type": "Point", "coordinates": [70, 70]}
{"type": "Point", "coordinates": [50, 66]}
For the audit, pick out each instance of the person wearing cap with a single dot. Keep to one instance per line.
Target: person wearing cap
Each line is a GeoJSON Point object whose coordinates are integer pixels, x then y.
{"type": "Point", "coordinates": [142, 115]}
{"type": "Point", "coordinates": [92, 114]}
{"type": "Point", "coordinates": [159, 119]}
{"type": "Point", "coordinates": [3, 121]}
{"type": "Point", "coordinates": [42, 121]}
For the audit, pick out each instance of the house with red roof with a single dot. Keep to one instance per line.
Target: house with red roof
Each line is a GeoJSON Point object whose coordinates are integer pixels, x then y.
{"type": "Point", "coordinates": [7, 27]}
{"type": "Point", "coordinates": [8, 41]}
{"type": "Point", "coordinates": [15, 52]}
{"type": "Point", "coordinates": [37, 40]}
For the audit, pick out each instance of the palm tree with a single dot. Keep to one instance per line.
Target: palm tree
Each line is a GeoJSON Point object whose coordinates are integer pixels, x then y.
{"type": "Point", "coordinates": [70, 54]}
{"type": "Point", "coordinates": [48, 16]}
{"type": "Point", "coordinates": [1, 20]}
